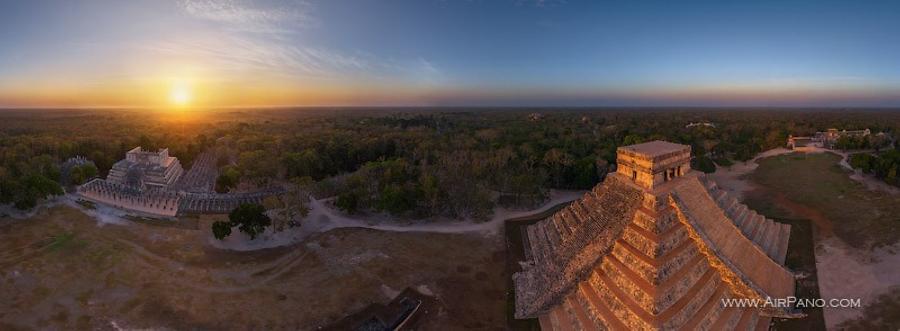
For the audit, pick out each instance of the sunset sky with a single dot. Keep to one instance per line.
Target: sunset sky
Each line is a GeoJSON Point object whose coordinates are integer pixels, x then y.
{"type": "Point", "coordinates": [221, 53]}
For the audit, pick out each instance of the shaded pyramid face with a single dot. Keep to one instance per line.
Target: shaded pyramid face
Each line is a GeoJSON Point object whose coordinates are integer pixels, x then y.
{"type": "Point", "coordinates": [669, 250]}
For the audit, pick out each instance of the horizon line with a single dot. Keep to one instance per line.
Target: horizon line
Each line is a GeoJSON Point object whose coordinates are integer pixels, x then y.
{"type": "Point", "coordinates": [435, 106]}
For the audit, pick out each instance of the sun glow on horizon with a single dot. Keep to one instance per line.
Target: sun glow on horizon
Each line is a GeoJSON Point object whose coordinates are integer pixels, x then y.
{"type": "Point", "coordinates": [180, 94]}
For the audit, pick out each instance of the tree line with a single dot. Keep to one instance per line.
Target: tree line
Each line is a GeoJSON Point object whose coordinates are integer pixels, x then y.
{"type": "Point", "coordinates": [408, 162]}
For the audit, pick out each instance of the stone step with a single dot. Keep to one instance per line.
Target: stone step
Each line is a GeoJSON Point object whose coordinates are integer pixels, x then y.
{"type": "Point", "coordinates": [719, 196]}
{"type": "Point", "coordinates": [598, 306]}
{"type": "Point", "coordinates": [534, 244]}
{"type": "Point", "coordinates": [783, 241]}
{"type": "Point", "coordinates": [593, 314]}
{"type": "Point", "coordinates": [711, 185]}
{"type": "Point", "coordinates": [581, 318]}
{"type": "Point", "coordinates": [542, 248]}
{"type": "Point", "coordinates": [549, 244]}
{"type": "Point", "coordinates": [775, 240]}
{"type": "Point", "coordinates": [729, 203]}
{"type": "Point", "coordinates": [739, 215]}
{"type": "Point", "coordinates": [765, 235]}
{"type": "Point", "coordinates": [752, 225]}
{"type": "Point", "coordinates": [745, 221]}
{"type": "Point", "coordinates": [731, 209]}
{"type": "Point", "coordinates": [771, 240]}
{"type": "Point", "coordinates": [553, 234]}
{"type": "Point", "coordinates": [760, 232]}
{"type": "Point", "coordinates": [559, 224]}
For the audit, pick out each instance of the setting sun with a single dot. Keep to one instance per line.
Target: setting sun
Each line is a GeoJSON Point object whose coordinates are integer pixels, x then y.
{"type": "Point", "coordinates": [180, 94]}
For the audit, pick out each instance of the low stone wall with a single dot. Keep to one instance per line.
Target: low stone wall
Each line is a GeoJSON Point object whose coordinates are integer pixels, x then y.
{"type": "Point", "coordinates": [165, 203]}
{"type": "Point", "coordinates": [220, 203]}
{"type": "Point", "coordinates": [152, 202]}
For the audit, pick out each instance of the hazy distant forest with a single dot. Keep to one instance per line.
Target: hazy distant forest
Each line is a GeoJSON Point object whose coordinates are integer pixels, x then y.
{"type": "Point", "coordinates": [411, 163]}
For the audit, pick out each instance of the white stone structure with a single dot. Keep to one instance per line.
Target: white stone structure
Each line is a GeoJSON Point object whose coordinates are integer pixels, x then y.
{"type": "Point", "coordinates": [152, 202]}
{"type": "Point", "coordinates": [144, 169]}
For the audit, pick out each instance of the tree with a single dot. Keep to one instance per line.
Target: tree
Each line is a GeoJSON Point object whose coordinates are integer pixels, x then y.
{"type": "Point", "coordinates": [250, 218]}
{"type": "Point", "coordinates": [258, 165]}
{"type": "Point", "coordinates": [80, 173]}
{"type": "Point", "coordinates": [228, 179]}
{"type": "Point", "coordinates": [586, 173]}
{"type": "Point", "coordinates": [348, 202]}
{"type": "Point", "coordinates": [304, 164]}
{"type": "Point", "coordinates": [221, 229]}
{"type": "Point", "coordinates": [431, 193]}
{"type": "Point", "coordinates": [557, 161]}
{"type": "Point", "coordinates": [396, 199]}
{"type": "Point", "coordinates": [704, 164]}
{"type": "Point", "coordinates": [891, 176]}
{"type": "Point", "coordinates": [631, 140]}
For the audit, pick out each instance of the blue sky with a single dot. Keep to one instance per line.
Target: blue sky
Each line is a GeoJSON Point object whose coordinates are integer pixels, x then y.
{"type": "Point", "coordinates": [431, 52]}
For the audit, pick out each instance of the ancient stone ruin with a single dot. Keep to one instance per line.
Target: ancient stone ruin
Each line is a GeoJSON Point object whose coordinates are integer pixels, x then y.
{"type": "Point", "coordinates": [142, 169]}
{"type": "Point", "coordinates": [152, 201]}
{"type": "Point", "coordinates": [153, 184]}
{"type": "Point", "coordinates": [655, 246]}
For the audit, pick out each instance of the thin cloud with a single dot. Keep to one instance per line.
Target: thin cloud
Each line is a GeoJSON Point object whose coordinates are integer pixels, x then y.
{"type": "Point", "coordinates": [253, 39]}
{"type": "Point", "coordinates": [540, 3]}
{"type": "Point", "coordinates": [245, 55]}
{"type": "Point", "coordinates": [256, 38]}
{"type": "Point", "coordinates": [252, 17]}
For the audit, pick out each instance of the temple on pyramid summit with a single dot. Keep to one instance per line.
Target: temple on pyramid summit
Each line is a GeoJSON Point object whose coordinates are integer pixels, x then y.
{"type": "Point", "coordinates": [655, 246]}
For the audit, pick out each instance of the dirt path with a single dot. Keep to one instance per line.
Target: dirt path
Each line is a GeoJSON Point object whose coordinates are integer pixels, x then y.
{"type": "Point", "coordinates": [490, 227]}
{"type": "Point", "coordinates": [732, 178]}
{"type": "Point", "coordinates": [846, 272]}
{"type": "Point", "coordinates": [871, 182]}
{"type": "Point", "coordinates": [323, 218]}
{"type": "Point", "coordinates": [823, 226]}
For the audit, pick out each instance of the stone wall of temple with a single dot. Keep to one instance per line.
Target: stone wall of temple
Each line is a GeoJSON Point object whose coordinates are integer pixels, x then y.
{"type": "Point", "coordinates": [157, 170]}
{"type": "Point", "coordinates": [220, 203]}
{"type": "Point", "coordinates": [652, 170]}
{"type": "Point", "coordinates": [153, 202]}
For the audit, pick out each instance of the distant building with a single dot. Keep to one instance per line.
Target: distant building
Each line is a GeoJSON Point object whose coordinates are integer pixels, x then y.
{"type": "Point", "coordinates": [706, 124]}
{"type": "Point", "coordinates": [144, 169]}
{"type": "Point", "coordinates": [796, 142]}
{"type": "Point", "coordinates": [829, 137]}
{"type": "Point", "coordinates": [535, 117]}
{"type": "Point", "coordinates": [654, 247]}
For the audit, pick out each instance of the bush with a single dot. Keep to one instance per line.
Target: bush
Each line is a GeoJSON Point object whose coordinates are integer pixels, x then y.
{"type": "Point", "coordinates": [228, 179]}
{"type": "Point", "coordinates": [348, 202]}
{"type": "Point", "coordinates": [250, 218]}
{"type": "Point", "coordinates": [221, 229]}
{"type": "Point", "coordinates": [704, 164]}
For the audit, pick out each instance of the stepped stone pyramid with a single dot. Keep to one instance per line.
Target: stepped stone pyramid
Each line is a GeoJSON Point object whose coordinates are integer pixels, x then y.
{"type": "Point", "coordinates": [653, 247]}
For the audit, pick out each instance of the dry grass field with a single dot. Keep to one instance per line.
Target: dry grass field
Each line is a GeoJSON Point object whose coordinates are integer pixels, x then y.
{"type": "Point", "coordinates": [62, 270]}
{"type": "Point", "coordinates": [856, 231]}
{"type": "Point", "coordinates": [815, 187]}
